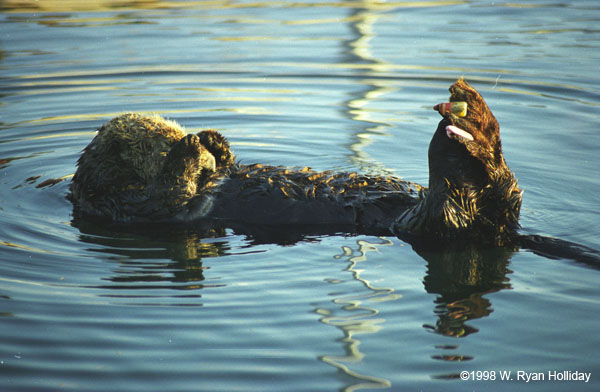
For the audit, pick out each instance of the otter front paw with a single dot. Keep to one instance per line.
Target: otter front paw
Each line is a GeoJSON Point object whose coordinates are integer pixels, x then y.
{"type": "Point", "coordinates": [189, 158]}
{"type": "Point", "coordinates": [218, 146]}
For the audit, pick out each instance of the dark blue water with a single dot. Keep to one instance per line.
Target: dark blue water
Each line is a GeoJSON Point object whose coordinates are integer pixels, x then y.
{"type": "Point", "coordinates": [333, 85]}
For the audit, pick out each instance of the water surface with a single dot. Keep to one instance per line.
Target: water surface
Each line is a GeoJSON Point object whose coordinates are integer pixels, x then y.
{"type": "Point", "coordinates": [332, 85]}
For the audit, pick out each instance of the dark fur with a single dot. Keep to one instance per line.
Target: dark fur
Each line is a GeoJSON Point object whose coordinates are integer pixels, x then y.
{"type": "Point", "coordinates": [472, 195]}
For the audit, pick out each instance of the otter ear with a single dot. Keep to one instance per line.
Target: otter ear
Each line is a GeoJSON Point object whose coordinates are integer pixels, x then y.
{"type": "Point", "coordinates": [218, 146]}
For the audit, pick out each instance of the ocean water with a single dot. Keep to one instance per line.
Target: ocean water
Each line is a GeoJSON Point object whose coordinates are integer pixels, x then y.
{"type": "Point", "coordinates": [344, 85]}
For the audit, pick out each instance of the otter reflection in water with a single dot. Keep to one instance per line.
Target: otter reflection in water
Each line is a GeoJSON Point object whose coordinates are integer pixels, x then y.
{"type": "Point", "coordinates": [144, 169]}
{"type": "Point", "coordinates": [462, 279]}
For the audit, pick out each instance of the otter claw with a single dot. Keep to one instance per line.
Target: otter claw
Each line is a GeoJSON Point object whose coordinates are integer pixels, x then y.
{"type": "Point", "coordinates": [453, 130]}
{"type": "Point", "coordinates": [457, 108]}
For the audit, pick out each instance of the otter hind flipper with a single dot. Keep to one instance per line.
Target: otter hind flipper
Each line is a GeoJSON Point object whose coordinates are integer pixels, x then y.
{"type": "Point", "coordinates": [555, 248]}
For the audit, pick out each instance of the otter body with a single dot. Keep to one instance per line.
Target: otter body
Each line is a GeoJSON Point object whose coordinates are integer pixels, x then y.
{"type": "Point", "coordinates": [273, 195]}
{"type": "Point", "coordinates": [147, 169]}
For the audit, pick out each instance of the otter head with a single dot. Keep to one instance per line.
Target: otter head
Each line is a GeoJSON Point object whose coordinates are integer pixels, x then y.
{"type": "Point", "coordinates": [142, 166]}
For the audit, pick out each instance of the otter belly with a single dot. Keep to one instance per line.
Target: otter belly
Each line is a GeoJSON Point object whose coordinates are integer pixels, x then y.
{"type": "Point", "coordinates": [239, 201]}
{"type": "Point", "coordinates": [235, 201]}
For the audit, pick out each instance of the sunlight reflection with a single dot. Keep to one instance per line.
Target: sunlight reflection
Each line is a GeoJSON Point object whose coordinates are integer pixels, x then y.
{"type": "Point", "coordinates": [98, 116]}
{"type": "Point", "coordinates": [102, 5]}
{"type": "Point", "coordinates": [358, 109]}
{"type": "Point", "coordinates": [362, 320]}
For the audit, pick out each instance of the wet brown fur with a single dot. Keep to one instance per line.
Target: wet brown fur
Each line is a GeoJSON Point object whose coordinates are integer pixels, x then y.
{"type": "Point", "coordinates": [140, 167]}
{"type": "Point", "coordinates": [145, 168]}
{"type": "Point", "coordinates": [472, 192]}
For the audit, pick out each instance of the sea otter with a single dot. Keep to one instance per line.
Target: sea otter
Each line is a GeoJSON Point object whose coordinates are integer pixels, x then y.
{"type": "Point", "coordinates": [147, 169]}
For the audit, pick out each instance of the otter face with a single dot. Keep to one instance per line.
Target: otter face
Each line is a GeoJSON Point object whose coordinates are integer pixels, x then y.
{"type": "Point", "coordinates": [465, 148]}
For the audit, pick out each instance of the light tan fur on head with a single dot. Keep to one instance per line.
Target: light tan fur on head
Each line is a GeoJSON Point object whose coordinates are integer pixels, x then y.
{"type": "Point", "coordinates": [145, 166]}
{"type": "Point", "coordinates": [142, 141]}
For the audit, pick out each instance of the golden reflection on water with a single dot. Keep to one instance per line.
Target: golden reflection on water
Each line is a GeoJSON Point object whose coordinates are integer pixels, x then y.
{"type": "Point", "coordinates": [363, 319]}
{"type": "Point", "coordinates": [107, 116]}
{"type": "Point", "coordinates": [358, 108]}
{"type": "Point", "coordinates": [24, 247]}
{"type": "Point", "coordinates": [86, 5]}
{"type": "Point", "coordinates": [105, 5]}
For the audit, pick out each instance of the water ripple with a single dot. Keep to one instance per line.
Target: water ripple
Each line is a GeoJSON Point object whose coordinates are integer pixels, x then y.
{"type": "Point", "coordinates": [333, 85]}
